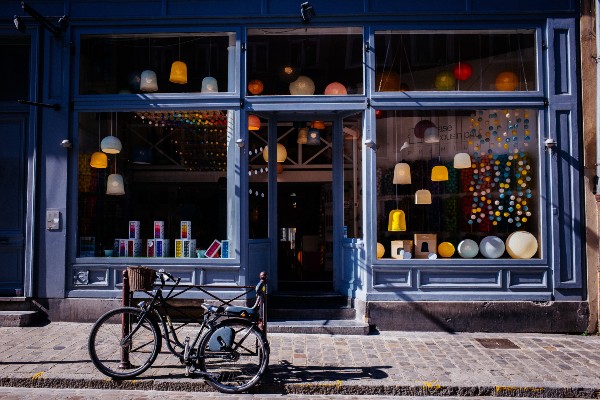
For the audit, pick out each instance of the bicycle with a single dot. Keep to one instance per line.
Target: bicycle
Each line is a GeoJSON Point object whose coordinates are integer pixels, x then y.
{"type": "Point", "coordinates": [230, 350]}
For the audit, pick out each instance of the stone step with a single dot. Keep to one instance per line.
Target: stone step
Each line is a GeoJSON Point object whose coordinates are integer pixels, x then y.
{"type": "Point", "coordinates": [304, 300]}
{"type": "Point", "coordinates": [332, 327]}
{"type": "Point", "coordinates": [19, 318]}
{"type": "Point", "coordinates": [295, 314]}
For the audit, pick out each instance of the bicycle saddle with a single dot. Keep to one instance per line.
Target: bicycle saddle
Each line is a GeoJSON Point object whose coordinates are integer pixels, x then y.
{"type": "Point", "coordinates": [244, 312]}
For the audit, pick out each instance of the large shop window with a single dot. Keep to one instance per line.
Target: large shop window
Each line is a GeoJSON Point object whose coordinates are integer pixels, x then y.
{"type": "Point", "coordinates": [458, 184]}
{"type": "Point", "coordinates": [15, 50]}
{"type": "Point", "coordinates": [455, 61]}
{"type": "Point", "coordinates": [305, 61]}
{"type": "Point", "coordinates": [154, 184]}
{"type": "Point", "coordinates": [191, 63]}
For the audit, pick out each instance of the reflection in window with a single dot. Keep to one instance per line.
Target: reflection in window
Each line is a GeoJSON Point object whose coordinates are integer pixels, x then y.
{"type": "Point", "coordinates": [459, 60]}
{"type": "Point", "coordinates": [305, 61]}
{"type": "Point", "coordinates": [165, 194]}
{"type": "Point", "coordinates": [15, 51]}
{"type": "Point", "coordinates": [153, 63]}
{"type": "Point", "coordinates": [462, 180]}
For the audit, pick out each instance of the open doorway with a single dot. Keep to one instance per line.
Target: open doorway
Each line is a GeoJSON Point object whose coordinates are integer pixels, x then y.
{"type": "Point", "coordinates": [305, 259]}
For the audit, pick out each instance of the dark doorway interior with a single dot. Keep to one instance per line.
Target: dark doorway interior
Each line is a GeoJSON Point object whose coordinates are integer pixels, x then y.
{"type": "Point", "coordinates": [305, 237]}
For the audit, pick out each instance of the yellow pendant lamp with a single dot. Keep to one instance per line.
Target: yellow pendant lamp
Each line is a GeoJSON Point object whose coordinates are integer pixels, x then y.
{"type": "Point", "coordinates": [397, 221]}
{"type": "Point", "coordinates": [99, 160]}
{"type": "Point", "coordinates": [439, 173]}
{"type": "Point", "coordinates": [253, 123]}
{"type": "Point", "coordinates": [178, 70]}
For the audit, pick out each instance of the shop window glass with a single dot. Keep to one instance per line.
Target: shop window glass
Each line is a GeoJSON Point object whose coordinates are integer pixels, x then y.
{"type": "Point", "coordinates": [15, 68]}
{"type": "Point", "coordinates": [305, 61]}
{"type": "Point", "coordinates": [146, 64]}
{"type": "Point", "coordinates": [174, 200]}
{"type": "Point", "coordinates": [353, 176]}
{"type": "Point", "coordinates": [455, 61]}
{"type": "Point", "coordinates": [458, 184]}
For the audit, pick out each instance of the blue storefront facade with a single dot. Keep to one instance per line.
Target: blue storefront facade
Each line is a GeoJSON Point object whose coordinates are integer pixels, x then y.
{"type": "Point", "coordinates": [422, 159]}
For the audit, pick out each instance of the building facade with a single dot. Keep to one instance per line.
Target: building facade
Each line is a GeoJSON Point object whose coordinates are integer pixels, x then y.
{"type": "Point", "coordinates": [424, 160]}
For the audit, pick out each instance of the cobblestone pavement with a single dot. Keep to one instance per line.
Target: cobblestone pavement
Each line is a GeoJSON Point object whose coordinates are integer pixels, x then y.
{"type": "Point", "coordinates": [99, 394]}
{"type": "Point", "coordinates": [391, 363]}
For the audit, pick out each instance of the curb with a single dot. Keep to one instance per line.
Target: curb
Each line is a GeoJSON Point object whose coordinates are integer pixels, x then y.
{"type": "Point", "coordinates": [323, 388]}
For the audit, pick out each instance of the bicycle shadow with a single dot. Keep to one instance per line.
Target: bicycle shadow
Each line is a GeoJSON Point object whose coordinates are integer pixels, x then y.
{"type": "Point", "coordinates": [285, 372]}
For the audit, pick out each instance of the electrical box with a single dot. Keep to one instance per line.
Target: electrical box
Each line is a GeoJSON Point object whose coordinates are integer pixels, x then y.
{"type": "Point", "coordinates": [53, 220]}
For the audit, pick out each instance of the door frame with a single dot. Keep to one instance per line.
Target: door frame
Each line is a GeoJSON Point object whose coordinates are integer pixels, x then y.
{"type": "Point", "coordinates": [337, 187]}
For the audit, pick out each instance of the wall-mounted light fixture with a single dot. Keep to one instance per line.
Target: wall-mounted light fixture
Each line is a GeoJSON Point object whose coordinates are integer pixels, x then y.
{"type": "Point", "coordinates": [371, 144]}
{"type": "Point", "coordinates": [550, 144]}
{"type": "Point", "coordinates": [307, 11]}
{"type": "Point", "coordinates": [63, 22]}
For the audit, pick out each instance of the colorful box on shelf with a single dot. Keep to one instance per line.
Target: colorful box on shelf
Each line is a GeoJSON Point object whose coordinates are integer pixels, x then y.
{"type": "Point", "coordinates": [87, 246]}
{"type": "Point", "coordinates": [213, 249]}
{"type": "Point", "coordinates": [128, 247]}
{"type": "Point", "coordinates": [425, 244]}
{"type": "Point", "coordinates": [158, 248]}
{"type": "Point", "coordinates": [186, 230]}
{"type": "Point", "coordinates": [185, 248]}
{"type": "Point", "coordinates": [398, 245]}
{"type": "Point", "coordinates": [225, 249]}
{"type": "Point", "coordinates": [159, 229]}
{"type": "Point", "coordinates": [134, 229]}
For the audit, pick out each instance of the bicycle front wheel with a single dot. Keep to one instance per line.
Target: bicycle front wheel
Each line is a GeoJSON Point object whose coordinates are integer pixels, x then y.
{"type": "Point", "coordinates": [233, 355]}
{"type": "Point", "coordinates": [124, 343]}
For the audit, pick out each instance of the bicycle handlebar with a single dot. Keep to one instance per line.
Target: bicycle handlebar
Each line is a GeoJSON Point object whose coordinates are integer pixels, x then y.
{"type": "Point", "coordinates": [162, 274]}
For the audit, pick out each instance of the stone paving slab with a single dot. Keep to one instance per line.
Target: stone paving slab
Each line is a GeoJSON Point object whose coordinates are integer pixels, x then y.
{"type": "Point", "coordinates": [388, 364]}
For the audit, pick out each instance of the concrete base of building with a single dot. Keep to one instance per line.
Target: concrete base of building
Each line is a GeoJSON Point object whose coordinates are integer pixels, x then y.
{"type": "Point", "coordinates": [541, 317]}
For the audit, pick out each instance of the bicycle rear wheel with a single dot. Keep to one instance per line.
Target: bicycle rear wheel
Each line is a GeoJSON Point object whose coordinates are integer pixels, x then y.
{"type": "Point", "coordinates": [233, 355]}
{"type": "Point", "coordinates": [120, 358]}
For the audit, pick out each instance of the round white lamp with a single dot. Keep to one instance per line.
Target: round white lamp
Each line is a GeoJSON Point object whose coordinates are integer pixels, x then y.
{"type": "Point", "coordinates": [303, 86]}
{"type": "Point", "coordinates": [491, 247]}
{"type": "Point", "coordinates": [521, 244]}
{"type": "Point", "coordinates": [468, 248]}
{"type": "Point", "coordinates": [281, 153]}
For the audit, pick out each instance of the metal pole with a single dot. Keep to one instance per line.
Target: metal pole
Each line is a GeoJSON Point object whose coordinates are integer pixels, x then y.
{"type": "Point", "coordinates": [125, 364]}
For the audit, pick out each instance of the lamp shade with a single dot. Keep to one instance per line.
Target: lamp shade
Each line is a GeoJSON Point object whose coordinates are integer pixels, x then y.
{"type": "Point", "coordinates": [115, 185]}
{"type": "Point", "coordinates": [380, 250]}
{"type": "Point", "coordinates": [521, 244]}
{"type": "Point", "coordinates": [111, 145]}
{"type": "Point", "coordinates": [303, 86]}
{"type": "Point", "coordinates": [506, 81]}
{"type": "Point", "coordinates": [209, 85]}
{"type": "Point", "coordinates": [148, 81]}
{"type": "Point", "coordinates": [178, 72]}
{"type": "Point", "coordinates": [314, 137]}
{"type": "Point", "coordinates": [401, 174]}
{"type": "Point", "coordinates": [491, 247]}
{"type": "Point", "coordinates": [397, 221]}
{"type": "Point", "coordinates": [421, 126]}
{"type": "Point", "coordinates": [439, 173]}
{"type": "Point", "coordinates": [446, 249]}
{"type": "Point", "coordinates": [423, 196]}
{"type": "Point", "coordinates": [462, 161]}
{"type": "Point", "coordinates": [281, 153]}
{"type": "Point", "coordinates": [99, 160]}
{"type": "Point", "coordinates": [317, 124]}
{"type": "Point", "coordinates": [253, 123]}
{"type": "Point", "coordinates": [335, 88]}
{"type": "Point", "coordinates": [431, 135]}
{"type": "Point", "coordinates": [445, 81]}
{"type": "Point", "coordinates": [468, 248]}
{"type": "Point", "coordinates": [302, 136]}
{"type": "Point", "coordinates": [255, 86]}
{"type": "Point", "coordinates": [289, 73]}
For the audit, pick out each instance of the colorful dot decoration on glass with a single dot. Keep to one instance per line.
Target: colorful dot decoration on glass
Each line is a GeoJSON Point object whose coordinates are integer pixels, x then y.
{"type": "Point", "coordinates": [198, 136]}
{"type": "Point", "coordinates": [501, 171]}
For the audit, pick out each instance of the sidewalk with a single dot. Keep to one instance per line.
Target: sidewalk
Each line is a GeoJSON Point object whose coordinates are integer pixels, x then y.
{"type": "Point", "coordinates": [391, 363]}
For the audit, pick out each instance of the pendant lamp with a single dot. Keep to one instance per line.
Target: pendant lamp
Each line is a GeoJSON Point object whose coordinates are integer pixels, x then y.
{"type": "Point", "coordinates": [423, 196]}
{"type": "Point", "coordinates": [281, 153]}
{"type": "Point", "coordinates": [462, 161]}
{"type": "Point", "coordinates": [253, 123]}
{"type": "Point", "coordinates": [314, 137]}
{"type": "Point", "coordinates": [303, 86]}
{"type": "Point", "coordinates": [439, 173]}
{"type": "Point", "coordinates": [397, 221]}
{"type": "Point", "coordinates": [318, 125]}
{"type": "Point", "coordinates": [431, 135]}
{"type": "Point", "coordinates": [115, 185]}
{"type": "Point", "coordinates": [209, 85]}
{"type": "Point", "coordinates": [401, 174]}
{"type": "Point", "coordinates": [302, 136]}
{"type": "Point", "coordinates": [178, 70]}
{"type": "Point", "coordinates": [148, 82]}
{"type": "Point", "coordinates": [111, 144]}
{"type": "Point", "coordinates": [99, 159]}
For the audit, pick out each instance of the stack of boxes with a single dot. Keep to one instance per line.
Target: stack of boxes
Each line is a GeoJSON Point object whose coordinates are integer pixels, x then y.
{"type": "Point", "coordinates": [132, 246]}
{"type": "Point", "coordinates": [185, 246]}
{"type": "Point", "coordinates": [159, 246]}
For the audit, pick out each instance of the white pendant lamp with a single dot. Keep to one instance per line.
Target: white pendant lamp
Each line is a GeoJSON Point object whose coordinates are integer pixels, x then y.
{"type": "Point", "coordinates": [209, 85]}
{"type": "Point", "coordinates": [115, 185]}
{"type": "Point", "coordinates": [462, 161]}
{"type": "Point", "coordinates": [111, 144]}
{"type": "Point", "coordinates": [431, 135]}
{"type": "Point", "coordinates": [423, 196]}
{"type": "Point", "coordinates": [314, 137]}
{"type": "Point", "coordinates": [402, 174]}
{"type": "Point", "coordinates": [302, 136]}
{"type": "Point", "coordinates": [149, 82]}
